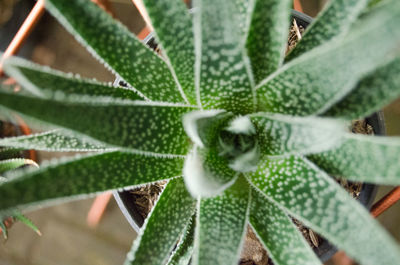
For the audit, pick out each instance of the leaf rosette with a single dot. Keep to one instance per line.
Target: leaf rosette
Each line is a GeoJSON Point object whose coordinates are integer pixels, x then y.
{"type": "Point", "coordinates": [241, 134]}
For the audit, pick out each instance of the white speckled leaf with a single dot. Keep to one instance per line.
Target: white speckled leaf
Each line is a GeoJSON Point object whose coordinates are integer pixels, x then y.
{"type": "Point", "coordinates": [140, 126]}
{"type": "Point", "coordinates": [37, 79]}
{"type": "Point", "coordinates": [374, 159]}
{"type": "Point", "coordinates": [54, 141]}
{"type": "Point", "coordinates": [184, 250]}
{"type": "Point", "coordinates": [315, 81]}
{"type": "Point", "coordinates": [112, 43]}
{"type": "Point", "coordinates": [267, 39]}
{"type": "Point", "coordinates": [221, 226]}
{"type": "Point", "coordinates": [281, 135]}
{"type": "Point", "coordinates": [371, 94]}
{"type": "Point", "coordinates": [13, 163]}
{"type": "Point", "coordinates": [206, 173]}
{"type": "Point", "coordinates": [222, 69]}
{"type": "Point", "coordinates": [334, 20]}
{"type": "Point", "coordinates": [174, 31]}
{"type": "Point", "coordinates": [79, 176]}
{"type": "Point", "coordinates": [203, 127]}
{"type": "Point", "coordinates": [281, 238]}
{"type": "Point", "coordinates": [314, 198]}
{"type": "Point", "coordinates": [161, 230]}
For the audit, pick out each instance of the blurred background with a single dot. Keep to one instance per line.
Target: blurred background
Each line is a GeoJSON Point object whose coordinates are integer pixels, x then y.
{"type": "Point", "coordinates": [66, 238]}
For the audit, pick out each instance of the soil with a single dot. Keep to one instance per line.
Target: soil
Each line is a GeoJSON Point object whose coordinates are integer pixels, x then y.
{"type": "Point", "coordinates": [253, 252]}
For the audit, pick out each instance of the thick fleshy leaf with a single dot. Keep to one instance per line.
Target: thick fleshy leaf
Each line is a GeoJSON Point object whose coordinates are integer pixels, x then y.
{"type": "Point", "coordinates": [138, 125]}
{"type": "Point", "coordinates": [84, 175]}
{"type": "Point", "coordinates": [55, 141]}
{"type": "Point", "coordinates": [203, 127]}
{"type": "Point", "coordinates": [162, 228]}
{"type": "Point", "coordinates": [38, 79]}
{"type": "Point", "coordinates": [13, 163]}
{"type": "Point", "coordinates": [314, 198]}
{"type": "Point", "coordinates": [206, 173]}
{"type": "Point", "coordinates": [184, 250]}
{"type": "Point", "coordinates": [335, 20]}
{"type": "Point", "coordinates": [374, 159]}
{"type": "Point", "coordinates": [281, 135]}
{"type": "Point", "coordinates": [371, 94]}
{"type": "Point", "coordinates": [281, 238]}
{"type": "Point", "coordinates": [117, 47]}
{"type": "Point", "coordinates": [267, 39]}
{"type": "Point", "coordinates": [312, 83]}
{"type": "Point", "coordinates": [221, 226]}
{"type": "Point", "coordinates": [174, 31]}
{"type": "Point", "coordinates": [222, 69]}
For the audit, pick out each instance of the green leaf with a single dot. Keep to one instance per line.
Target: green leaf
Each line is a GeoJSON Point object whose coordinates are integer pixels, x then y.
{"type": "Point", "coordinates": [13, 163]}
{"type": "Point", "coordinates": [311, 196]}
{"type": "Point", "coordinates": [42, 80]}
{"type": "Point", "coordinates": [335, 20]}
{"type": "Point", "coordinates": [312, 83]}
{"type": "Point", "coordinates": [162, 228]}
{"type": "Point", "coordinates": [84, 175]}
{"type": "Point", "coordinates": [3, 229]}
{"type": "Point", "coordinates": [115, 46]}
{"type": "Point", "coordinates": [373, 159]}
{"type": "Point", "coordinates": [371, 94]}
{"type": "Point", "coordinates": [184, 250]}
{"type": "Point", "coordinates": [141, 126]}
{"type": "Point", "coordinates": [206, 173]}
{"type": "Point", "coordinates": [221, 226]}
{"type": "Point", "coordinates": [23, 219]}
{"type": "Point", "coordinates": [203, 127]}
{"type": "Point", "coordinates": [6, 153]}
{"type": "Point", "coordinates": [54, 141]}
{"type": "Point", "coordinates": [281, 135]}
{"type": "Point", "coordinates": [267, 39]}
{"type": "Point", "coordinates": [174, 32]}
{"type": "Point", "coordinates": [222, 69]}
{"type": "Point", "coordinates": [281, 238]}
{"type": "Point", "coordinates": [372, 3]}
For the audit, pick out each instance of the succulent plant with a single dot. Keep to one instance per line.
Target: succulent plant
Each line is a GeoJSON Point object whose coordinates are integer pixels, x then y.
{"type": "Point", "coordinates": [6, 165]}
{"type": "Point", "coordinates": [243, 134]}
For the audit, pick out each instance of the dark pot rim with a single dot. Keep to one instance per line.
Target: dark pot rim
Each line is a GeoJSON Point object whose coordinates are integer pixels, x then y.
{"type": "Point", "coordinates": [325, 250]}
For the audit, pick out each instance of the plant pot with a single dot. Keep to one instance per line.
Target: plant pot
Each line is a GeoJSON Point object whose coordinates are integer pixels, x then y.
{"type": "Point", "coordinates": [325, 250]}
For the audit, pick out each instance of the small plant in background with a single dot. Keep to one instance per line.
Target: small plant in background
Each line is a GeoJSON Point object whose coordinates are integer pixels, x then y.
{"type": "Point", "coordinates": [243, 135]}
{"type": "Point", "coordinates": [7, 165]}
